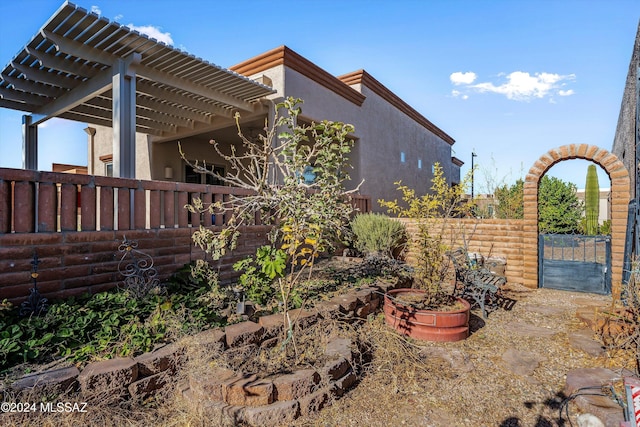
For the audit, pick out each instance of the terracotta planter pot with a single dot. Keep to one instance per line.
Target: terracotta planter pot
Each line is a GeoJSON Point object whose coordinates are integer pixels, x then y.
{"type": "Point", "coordinates": [428, 325]}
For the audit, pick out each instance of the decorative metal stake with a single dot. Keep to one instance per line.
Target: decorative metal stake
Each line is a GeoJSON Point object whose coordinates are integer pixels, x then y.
{"type": "Point", "coordinates": [140, 276]}
{"type": "Point", "coordinates": [35, 303]}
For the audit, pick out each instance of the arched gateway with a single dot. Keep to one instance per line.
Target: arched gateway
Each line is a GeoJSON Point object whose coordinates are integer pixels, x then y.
{"type": "Point", "coordinates": [619, 206]}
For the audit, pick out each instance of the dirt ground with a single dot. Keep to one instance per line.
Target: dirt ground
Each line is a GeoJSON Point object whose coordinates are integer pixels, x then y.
{"type": "Point", "coordinates": [511, 371]}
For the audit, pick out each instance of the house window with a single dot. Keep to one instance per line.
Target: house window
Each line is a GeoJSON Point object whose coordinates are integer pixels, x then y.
{"type": "Point", "coordinates": [419, 163]}
{"type": "Point", "coordinates": [194, 177]}
{"type": "Point", "coordinates": [490, 211]}
{"type": "Point", "coordinates": [402, 157]}
{"type": "Point", "coordinates": [108, 164]}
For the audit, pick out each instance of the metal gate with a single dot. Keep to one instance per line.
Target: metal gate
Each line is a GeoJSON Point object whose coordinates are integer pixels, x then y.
{"type": "Point", "coordinates": [575, 262]}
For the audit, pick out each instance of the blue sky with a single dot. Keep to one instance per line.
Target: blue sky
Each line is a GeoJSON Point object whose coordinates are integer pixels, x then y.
{"type": "Point", "coordinates": [506, 79]}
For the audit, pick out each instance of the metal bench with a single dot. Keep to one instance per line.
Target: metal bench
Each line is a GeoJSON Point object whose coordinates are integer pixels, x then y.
{"type": "Point", "coordinates": [475, 283]}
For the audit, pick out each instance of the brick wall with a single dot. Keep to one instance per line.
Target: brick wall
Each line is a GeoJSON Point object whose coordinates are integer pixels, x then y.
{"type": "Point", "coordinates": [72, 263]}
{"type": "Point", "coordinates": [489, 237]}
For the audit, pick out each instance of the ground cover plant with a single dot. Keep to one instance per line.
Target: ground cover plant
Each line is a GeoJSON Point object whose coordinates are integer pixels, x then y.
{"type": "Point", "coordinates": [111, 324]}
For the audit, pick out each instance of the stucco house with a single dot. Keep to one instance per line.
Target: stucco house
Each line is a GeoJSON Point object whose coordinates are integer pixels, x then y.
{"type": "Point", "coordinates": [393, 141]}
{"type": "Point", "coordinates": [140, 97]}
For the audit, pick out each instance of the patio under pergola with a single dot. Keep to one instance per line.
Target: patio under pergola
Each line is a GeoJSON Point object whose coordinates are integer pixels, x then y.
{"type": "Point", "coordinates": [82, 67]}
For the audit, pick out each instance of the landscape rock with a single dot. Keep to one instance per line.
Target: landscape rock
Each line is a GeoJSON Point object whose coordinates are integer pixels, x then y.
{"type": "Point", "coordinates": [248, 391]}
{"type": "Point", "coordinates": [584, 340]}
{"type": "Point", "coordinates": [146, 387]}
{"type": "Point", "coordinates": [277, 414]}
{"type": "Point", "coordinates": [521, 362]}
{"type": "Point", "coordinates": [313, 402]}
{"type": "Point", "coordinates": [212, 340]}
{"type": "Point", "coordinates": [208, 385]}
{"type": "Point", "coordinates": [244, 333]}
{"type": "Point", "coordinates": [586, 383]}
{"type": "Point", "coordinates": [62, 380]}
{"type": "Point", "coordinates": [303, 318]}
{"type": "Point", "coordinates": [165, 358]}
{"type": "Point", "coordinates": [273, 325]}
{"type": "Point", "coordinates": [296, 385]}
{"type": "Point", "coordinates": [108, 374]}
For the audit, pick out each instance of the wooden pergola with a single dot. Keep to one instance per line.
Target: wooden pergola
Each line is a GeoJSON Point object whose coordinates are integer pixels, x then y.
{"type": "Point", "coordinates": [86, 68]}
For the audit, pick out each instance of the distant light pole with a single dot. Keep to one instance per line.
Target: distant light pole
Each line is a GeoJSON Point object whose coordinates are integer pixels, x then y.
{"type": "Point", "coordinates": [473, 155]}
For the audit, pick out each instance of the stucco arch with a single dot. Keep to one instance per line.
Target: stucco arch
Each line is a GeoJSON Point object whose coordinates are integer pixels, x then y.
{"type": "Point", "coordinates": [620, 195]}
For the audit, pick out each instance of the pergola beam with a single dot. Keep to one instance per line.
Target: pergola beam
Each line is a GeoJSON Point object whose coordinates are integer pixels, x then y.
{"type": "Point", "coordinates": [143, 113]}
{"type": "Point", "coordinates": [48, 60]}
{"type": "Point", "coordinates": [85, 91]}
{"type": "Point", "coordinates": [75, 48]}
{"type": "Point", "coordinates": [46, 76]}
{"type": "Point", "coordinates": [13, 105]}
{"type": "Point", "coordinates": [157, 92]}
{"type": "Point", "coordinates": [93, 111]}
{"type": "Point", "coordinates": [78, 117]}
{"type": "Point", "coordinates": [34, 87]}
{"type": "Point", "coordinates": [28, 98]}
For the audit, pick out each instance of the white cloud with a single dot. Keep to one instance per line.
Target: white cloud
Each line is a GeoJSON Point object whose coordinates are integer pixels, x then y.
{"type": "Point", "coordinates": [118, 17]}
{"type": "Point", "coordinates": [96, 10]}
{"type": "Point", "coordinates": [459, 78]}
{"type": "Point", "coordinates": [458, 94]}
{"type": "Point", "coordinates": [153, 32]}
{"type": "Point", "coordinates": [518, 85]}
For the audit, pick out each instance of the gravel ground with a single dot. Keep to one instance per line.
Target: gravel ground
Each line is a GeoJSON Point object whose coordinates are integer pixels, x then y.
{"type": "Point", "coordinates": [511, 371]}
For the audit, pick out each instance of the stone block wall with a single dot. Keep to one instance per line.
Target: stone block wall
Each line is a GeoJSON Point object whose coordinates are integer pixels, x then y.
{"type": "Point", "coordinates": [492, 238]}
{"type": "Point", "coordinates": [72, 263]}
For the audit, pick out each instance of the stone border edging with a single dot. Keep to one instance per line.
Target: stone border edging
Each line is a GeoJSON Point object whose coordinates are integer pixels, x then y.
{"type": "Point", "coordinates": [247, 399]}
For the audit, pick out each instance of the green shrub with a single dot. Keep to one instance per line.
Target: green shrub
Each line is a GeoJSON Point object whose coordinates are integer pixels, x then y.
{"type": "Point", "coordinates": [259, 273]}
{"type": "Point", "coordinates": [110, 324]}
{"type": "Point", "coordinates": [378, 234]}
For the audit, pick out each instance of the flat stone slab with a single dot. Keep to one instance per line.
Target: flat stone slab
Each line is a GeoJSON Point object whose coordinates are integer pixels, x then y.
{"type": "Point", "coordinates": [603, 407]}
{"type": "Point", "coordinates": [530, 330]}
{"type": "Point", "coordinates": [522, 363]}
{"type": "Point", "coordinates": [456, 358]}
{"type": "Point", "coordinates": [584, 340]}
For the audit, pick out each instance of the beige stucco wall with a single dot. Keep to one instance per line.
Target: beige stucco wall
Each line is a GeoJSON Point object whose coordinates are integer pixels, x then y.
{"type": "Point", "coordinates": [103, 146]}
{"type": "Point", "coordinates": [382, 133]}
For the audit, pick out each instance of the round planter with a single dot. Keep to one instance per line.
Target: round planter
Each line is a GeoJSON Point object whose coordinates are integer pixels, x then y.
{"type": "Point", "coordinates": [428, 325]}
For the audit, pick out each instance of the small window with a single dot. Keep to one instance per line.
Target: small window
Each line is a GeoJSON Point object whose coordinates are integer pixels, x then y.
{"type": "Point", "coordinates": [402, 157]}
{"type": "Point", "coordinates": [419, 163]}
{"type": "Point", "coordinates": [107, 160]}
{"type": "Point", "coordinates": [195, 177]}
